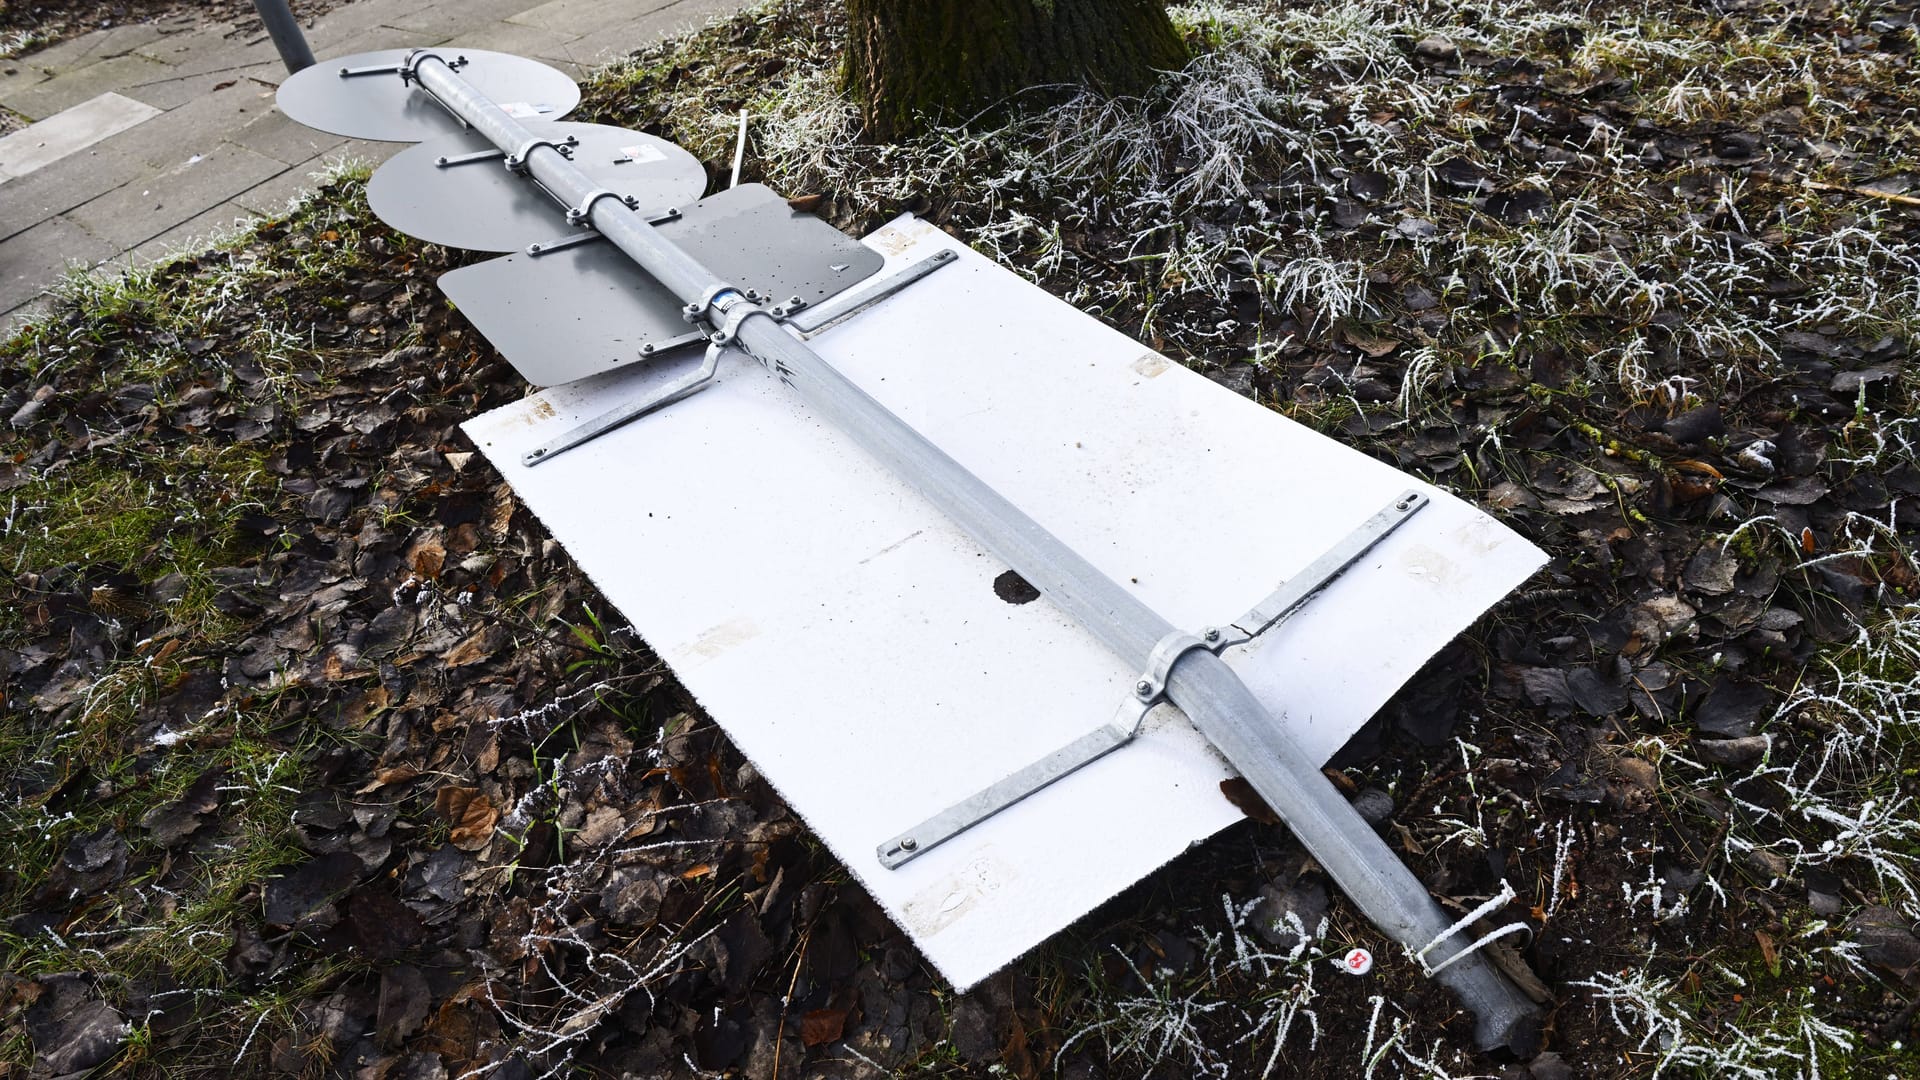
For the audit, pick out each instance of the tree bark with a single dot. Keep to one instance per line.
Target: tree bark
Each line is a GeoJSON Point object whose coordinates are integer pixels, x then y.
{"type": "Point", "coordinates": [914, 61]}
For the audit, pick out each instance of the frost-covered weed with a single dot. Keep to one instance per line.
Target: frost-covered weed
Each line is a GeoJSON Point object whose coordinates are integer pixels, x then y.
{"type": "Point", "coordinates": [1867, 704]}
{"type": "Point", "coordinates": [1786, 1042]}
{"type": "Point", "coordinates": [1163, 1018]}
{"type": "Point", "coordinates": [1265, 127]}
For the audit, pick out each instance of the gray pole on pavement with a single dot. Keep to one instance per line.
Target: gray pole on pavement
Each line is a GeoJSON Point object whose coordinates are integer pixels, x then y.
{"type": "Point", "coordinates": [1199, 682]}
{"type": "Point", "coordinates": [286, 33]}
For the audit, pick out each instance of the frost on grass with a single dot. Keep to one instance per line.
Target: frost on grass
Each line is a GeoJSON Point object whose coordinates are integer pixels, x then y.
{"type": "Point", "coordinates": [1788, 1042]}
{"type": "Point", "coordinates": [1238, 984]}
{"type": "Point", "coordinates": [1218, 183]}
{"type": "Point", "coordinates": [1840, 800]}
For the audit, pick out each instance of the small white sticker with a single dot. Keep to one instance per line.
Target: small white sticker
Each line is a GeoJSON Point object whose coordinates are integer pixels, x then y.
{"type": "Point", "coordinates": [638, 154]}
{"type": "Point", "coordinates": [1358, 962]}
{"type": "Point", "coordinates": [521, 110]}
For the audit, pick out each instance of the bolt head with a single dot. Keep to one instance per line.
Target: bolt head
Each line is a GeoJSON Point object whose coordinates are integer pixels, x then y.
{"type": "Point", "coordinates": [1143, 687]}
{"type": "Point", "coordinates": [909, 844]}
{"type": "Point", "coordinates": [1213, 635]}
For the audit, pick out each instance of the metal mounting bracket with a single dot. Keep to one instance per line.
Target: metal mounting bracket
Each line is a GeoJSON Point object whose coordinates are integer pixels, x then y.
{"type": "Point", "coordinates": [583, 213]}
{"type": "Point", "coordinates": [730, 314]}
{"type": "Point", "coordinates": [810, 319]}
{"type": "Point", "coordinates": [448, 161]}
{"type": "Point", "coordinates": [410, 66]}
{"type": "Point", "coordinates": [517, 161]}
{"type": "Point", "coordinates": [684, 386]}
{"type": "Point", "coordinates": [1152, 685]}
{"type": "Point", "coordinates": [1286, 599]}
{"type": "Point", "coordinates": [698, 310]}
{"type": "Point", "coordinates": [1150, 689]}
{"type": "Point", "coordinates": [372, 69]}
{"type": "Point", "coordinates": [405, 67]}
{"type": "Point", "coordinates": [588, 232]}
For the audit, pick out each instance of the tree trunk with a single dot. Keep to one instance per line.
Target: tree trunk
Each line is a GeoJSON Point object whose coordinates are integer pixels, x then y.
{"type": "Point", "coordinates": [912, 61]}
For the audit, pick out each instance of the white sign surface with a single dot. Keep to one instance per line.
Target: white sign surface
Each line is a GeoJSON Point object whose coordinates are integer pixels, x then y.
{"type": "Point", "coordinates": [849, 638]}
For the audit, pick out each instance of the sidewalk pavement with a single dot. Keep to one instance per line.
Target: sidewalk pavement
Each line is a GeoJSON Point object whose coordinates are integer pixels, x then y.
{"type": "Point", "coordinates": [150, 136]}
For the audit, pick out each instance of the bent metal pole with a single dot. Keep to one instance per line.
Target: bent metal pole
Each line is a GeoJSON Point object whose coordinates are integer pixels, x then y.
{"type": "Point", "coordinates": [1199, 682]}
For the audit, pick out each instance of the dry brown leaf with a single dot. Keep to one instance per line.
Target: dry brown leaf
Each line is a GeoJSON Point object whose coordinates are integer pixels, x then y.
{"type": "Point", "coordinates": [428, 557]}
{"type": "Point", "coordinates": [1241, 794]}
{"type": "Point", "coordinates": [822, 1026]}
{"type": "Point", "coordinates": [335, 669]}
{"type": "Point", "coordinates": [1373, 345]}
{"type": "Point", "coordinates": [489, 757]}
{"type": "Point", "coordinates": [500, 515]}
{"type": "Point", "coordinates": [472, 814]}
{"type": "Point", "coordinates": [364, 708]}
{"type": "Point", "coordinates": [398, 774]}
{"type": "Point", "coordinates": [477, 647]}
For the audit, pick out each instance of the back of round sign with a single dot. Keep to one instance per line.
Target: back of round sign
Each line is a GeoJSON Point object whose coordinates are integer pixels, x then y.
{"type": "Point", "coordinates": [452, 190]}
{"type": "Point", "coordinates": [369, 101]}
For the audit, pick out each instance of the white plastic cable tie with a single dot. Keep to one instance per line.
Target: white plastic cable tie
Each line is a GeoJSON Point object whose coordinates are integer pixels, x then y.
{"type": "Point", "coordinates": [1476, 946]}
{"type": "Point", "coordinates": [1494, 904]}
{"type": "Point", "coordinates": [739, 151]}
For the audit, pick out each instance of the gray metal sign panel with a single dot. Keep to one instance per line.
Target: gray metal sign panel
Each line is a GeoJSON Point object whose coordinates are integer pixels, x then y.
{"type": "Point", "coordinates": [377, 105]}
{"type": "Point", "coordinates": [450, 190]}
{"type": "Point", "coordinates": [588, 309]}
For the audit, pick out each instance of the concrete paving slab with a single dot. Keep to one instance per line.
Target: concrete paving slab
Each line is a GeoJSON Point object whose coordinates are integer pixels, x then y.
{"type": "Point", "coordinates": [627, 37]}
{"type": "Point", "coordinates": [375, 38]}
{"type": "Point", "coordinates": [134, 213]}
{"type": "Point", "coordinates": [274, 135]}
{"type": "Point", "coordinates": [97, 45]}
{"type": "Point", "coordinates": [89, 174]}
{"type": "Point", "coordinates": [196, 127]}
{"type": "Point", "coordinates": [326, 32]}
{"type": "Point", "coordinates": [198, 233]}
{"type": "Point", "coordinates": [14, 321]}
{"type": "Point", "coordinates": [17, 75]}
{"type": "Point", "coordinates": [588, 17]}
{"type": "Point", "coordinates": [42, 100]}
{"type": "Point", "coordinates": [538, 42]}
{"type": "Point", "coordinates": [451, 16]}
{"type": "Point", "coordinates": [171, 92]}
{"type": "Point", "coordinates": [38, 145]}
{"type": "Point", "coordinates": [373, 153]}
{"type": "Point", "coordinates": [38, 257]}
{"type": "Point", "coordinates": [210, 49]}
{"type": "Point", "coordinates": [269, 200]}
{"type": "Point", "coordinates": [102, 45]}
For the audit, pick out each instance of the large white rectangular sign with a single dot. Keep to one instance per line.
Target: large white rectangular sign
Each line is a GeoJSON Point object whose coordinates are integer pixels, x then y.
{"type": "Point", "coordinates": [850, 640]}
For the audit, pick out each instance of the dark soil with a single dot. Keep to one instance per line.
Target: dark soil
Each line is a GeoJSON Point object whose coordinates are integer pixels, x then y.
{"type": "Point", "coordinates": [495, 837]}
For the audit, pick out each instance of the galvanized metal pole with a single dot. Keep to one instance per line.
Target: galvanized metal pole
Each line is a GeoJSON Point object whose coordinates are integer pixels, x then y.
{"type": "Point", "coordinates": [286, 33]}
{"type": "Point", "coordinates": [1200, 683]}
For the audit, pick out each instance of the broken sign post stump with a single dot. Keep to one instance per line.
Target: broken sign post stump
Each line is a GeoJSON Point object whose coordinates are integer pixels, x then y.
{"type": "Point", "coordinates": [285, 31]}
{"type": "Point", "coordinates": [1172, 665]}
